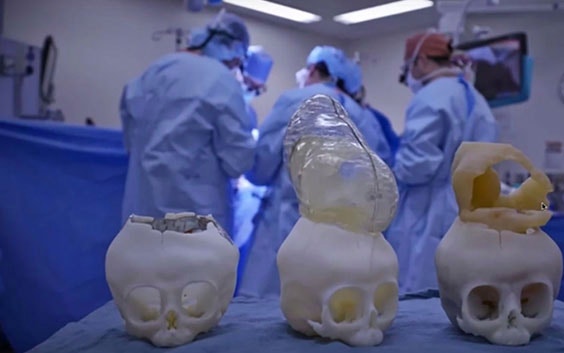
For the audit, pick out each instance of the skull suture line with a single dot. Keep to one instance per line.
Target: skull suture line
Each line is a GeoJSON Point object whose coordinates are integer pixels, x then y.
{"type": "Point", "coordinates": [338, 274]}
{"type": "Point", "coordinates": [498, 272]}
{"type": "Point", "coordinates": [171, 278]}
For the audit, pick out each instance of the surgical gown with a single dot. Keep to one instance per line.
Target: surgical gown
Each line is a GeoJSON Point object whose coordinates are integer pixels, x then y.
{"type": "Point", "coordinates": [392, 138]}
{"type": "Point", "coordinates": [188, 133]}
{"type": "Point", "coordinates": [279, 208]}
{"type": "Point", "coordinates": [252, 114]}
{"type": "Point", "coordinates": [442, 114]}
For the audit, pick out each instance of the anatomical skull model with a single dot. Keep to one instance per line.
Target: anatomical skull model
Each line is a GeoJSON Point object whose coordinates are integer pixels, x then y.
{"type": "Point", "coordinates": [171, 278]}
{"type": "Point", "coordinates": [498, 272]}
{"type": "Point", "coordinates": [338, 274]}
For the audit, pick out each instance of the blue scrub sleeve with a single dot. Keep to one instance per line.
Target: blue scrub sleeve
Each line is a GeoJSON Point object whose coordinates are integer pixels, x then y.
{"type": "Point", "coordinates": [269, 154]}
{"type": "Point", "coordinates": [233, 139]}
{"type": "Point", "coordinates": [391, 136]}
{"type": "Point", "coordinates": [234, 145]}
{"type": "Point", "coordinates": [419, 155]}
{"type": "Point", "coordinates": [486, 128]}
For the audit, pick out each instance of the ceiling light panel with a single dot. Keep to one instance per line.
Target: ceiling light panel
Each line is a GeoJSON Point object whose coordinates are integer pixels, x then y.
{"type": "Point", "coordinates": [381, 11]}
{"type": "Point", "coordinates": [277, 10]}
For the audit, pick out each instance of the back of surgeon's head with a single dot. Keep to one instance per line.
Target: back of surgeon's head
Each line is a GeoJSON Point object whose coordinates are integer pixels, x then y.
{"type": "Point", "coordinates": [325, 63]}
{"type": "Point", "coordinates": [426, 52]}
{"type": "Point", "coordinates": [330, 64]}
{"type": "Point", "coordinates": [225, 38]}
{"type": "Point", "coordinates": [351, 81]}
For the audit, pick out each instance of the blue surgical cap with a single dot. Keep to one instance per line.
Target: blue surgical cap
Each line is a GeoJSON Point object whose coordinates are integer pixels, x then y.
{"type": "Point", "coordinates": [258, 64]}
{"type": "Point", "coordinates": [225, 38]}
{"type": "Point", "coordinates": [353, 77]}
{"type": "Point", "coordinates": [334, 59]}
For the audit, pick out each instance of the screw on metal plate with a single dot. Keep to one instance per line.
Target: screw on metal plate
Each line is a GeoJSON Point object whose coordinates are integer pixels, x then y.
{"type": "Point", "coordinates": [182, 223]}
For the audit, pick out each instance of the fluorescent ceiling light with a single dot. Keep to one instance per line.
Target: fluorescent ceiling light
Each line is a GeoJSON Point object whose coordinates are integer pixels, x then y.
{"type": "Point", "coordinates": [380, 11]}
{"type": "Point", "coordinates": [277, 10]}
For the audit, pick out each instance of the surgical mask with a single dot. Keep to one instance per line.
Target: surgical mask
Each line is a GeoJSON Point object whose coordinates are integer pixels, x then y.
{"type": "Point", "coordinates": [414, 84]}
{"type": "Point", "coordinates": [301, 77]}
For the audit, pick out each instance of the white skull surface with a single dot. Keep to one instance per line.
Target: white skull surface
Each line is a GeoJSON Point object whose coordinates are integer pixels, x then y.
{"type": "Point", "coordinates": [498, 285]}
{"type": "Point", "coordinates": [498, 272]}
{"type": "Point", "coordinates": [171, 278]}
{"type": "Point", "coordinates": [338, 284]}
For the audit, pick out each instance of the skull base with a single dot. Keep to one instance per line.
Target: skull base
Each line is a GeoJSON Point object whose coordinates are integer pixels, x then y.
{"type": "Point", "coordinates": [338, 284]}
{"type": "Point", "coordinates": [498, 285]}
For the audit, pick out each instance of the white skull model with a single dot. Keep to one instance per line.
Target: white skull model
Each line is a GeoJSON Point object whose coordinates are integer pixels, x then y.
{"type": "Point", "coordinates": [338, 284]}
{"type": "Point", "coordinates": [498, 272]}
{"type": "Point", "coordinates": [338, 274]}
{"type": "Point", "coordinates": [171, 278]}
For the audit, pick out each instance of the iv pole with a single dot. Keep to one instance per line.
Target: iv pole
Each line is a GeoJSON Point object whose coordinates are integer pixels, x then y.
{"type": "Point", "coordinates": [179, 33]}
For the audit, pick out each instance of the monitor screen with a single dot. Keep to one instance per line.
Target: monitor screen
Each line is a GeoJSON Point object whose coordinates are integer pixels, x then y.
{"type": "Point", "coordinates": [500, 67]}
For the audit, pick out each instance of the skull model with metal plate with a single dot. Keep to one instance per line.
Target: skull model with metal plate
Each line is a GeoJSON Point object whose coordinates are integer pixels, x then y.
{"type": "Point", "coordinates": [171, 278]}
{"type": "Point", "coordinates": [338, 274]}
{"type": "Point", "coordinates": [498, 272]}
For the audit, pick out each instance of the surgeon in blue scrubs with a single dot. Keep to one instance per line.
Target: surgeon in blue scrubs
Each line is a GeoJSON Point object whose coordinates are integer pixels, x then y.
{"type": "Point", "coordinates": [186, 127]}
{"type": "Point", "coordinates": [445, 111]}
{"type": "Point", "coordinates": [392, 138]}
{"type": "Point", "coordinates": [256, 71]}
{"type": "Point", "coordinates": [372, 129]}
{"type": "Point", "coordinates": [325, 67]}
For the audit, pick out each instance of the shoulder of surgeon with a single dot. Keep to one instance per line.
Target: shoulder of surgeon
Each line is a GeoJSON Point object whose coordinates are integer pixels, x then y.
{"type": "Point", "coordinates": [362, 117]}
{"type": "Point", "coordinates": [351, 106]}
{"type": "Point", "coordinates": [184, 74]}
{"type": "Point", "coordinates": [287, 104]}
{"type": "Point", "coordinates": [294, 97]}
{"type": "Point", "coordinates": [481, 100]}
{"type": "Point", "coordinates": [439, 93]}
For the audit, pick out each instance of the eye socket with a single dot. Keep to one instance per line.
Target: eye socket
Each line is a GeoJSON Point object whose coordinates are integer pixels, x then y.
{"type": "Point", "coordinates": [544, 206]}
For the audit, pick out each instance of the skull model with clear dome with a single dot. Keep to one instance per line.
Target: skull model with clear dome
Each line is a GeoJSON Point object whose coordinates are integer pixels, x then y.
{"type": "Point", "coordinates": [498, 272]}
{"type": "Point", "coordinates": [338, 274]}
{"type": "Point", "coordinates": [171, 278]}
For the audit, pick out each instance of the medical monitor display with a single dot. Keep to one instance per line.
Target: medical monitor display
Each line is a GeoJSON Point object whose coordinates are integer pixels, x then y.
{"type": "Point", "coordinates": [502, 68]}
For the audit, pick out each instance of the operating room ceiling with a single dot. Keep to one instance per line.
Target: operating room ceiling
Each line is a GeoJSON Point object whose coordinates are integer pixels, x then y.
{"type": "Point", "coordinates": [327, 9]}
{"type": "Point", "coordinates": [415, 20]}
